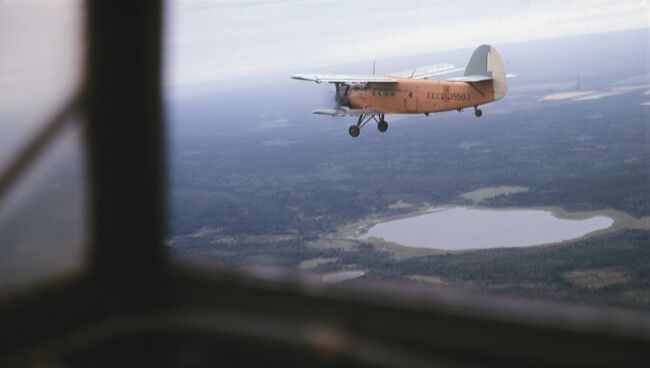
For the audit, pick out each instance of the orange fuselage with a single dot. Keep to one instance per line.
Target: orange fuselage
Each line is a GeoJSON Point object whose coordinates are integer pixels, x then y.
{"type": "Point", "coordinates": [419, 96]}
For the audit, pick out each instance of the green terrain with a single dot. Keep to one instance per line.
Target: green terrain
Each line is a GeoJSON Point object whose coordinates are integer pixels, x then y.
{"type": "Point", "coordinates": [277, 186]}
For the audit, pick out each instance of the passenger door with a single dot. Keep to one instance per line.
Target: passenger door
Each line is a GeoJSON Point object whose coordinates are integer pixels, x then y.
{"type": "Point", "coordinates": [410, 100]}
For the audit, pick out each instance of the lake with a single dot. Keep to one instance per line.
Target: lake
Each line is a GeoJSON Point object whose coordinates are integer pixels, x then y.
{"type": "Point", "coordinates": [471, 228]}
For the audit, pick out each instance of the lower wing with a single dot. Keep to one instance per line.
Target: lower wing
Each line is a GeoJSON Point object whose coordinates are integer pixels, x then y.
{"type": "Point", "coordinates": [346, 112]}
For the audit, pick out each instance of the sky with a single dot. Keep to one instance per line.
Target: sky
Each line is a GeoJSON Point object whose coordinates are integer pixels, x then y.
{"type": "Point", "coordinates": [42, 40]}
{"type": "Point", "coordinates": [41, 58]}
{"type": "Point", "coordinates": [210, 41]}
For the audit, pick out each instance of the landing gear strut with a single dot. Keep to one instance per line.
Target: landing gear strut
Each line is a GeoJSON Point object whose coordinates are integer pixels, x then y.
{"type": "Point", "coordinates": [477, 112]}
{"type": "Point", "coordinates": [382, 125]}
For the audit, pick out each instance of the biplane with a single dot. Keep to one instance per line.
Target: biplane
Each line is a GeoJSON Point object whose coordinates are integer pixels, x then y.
{"type": "Point", "coordinates": [415, 91]}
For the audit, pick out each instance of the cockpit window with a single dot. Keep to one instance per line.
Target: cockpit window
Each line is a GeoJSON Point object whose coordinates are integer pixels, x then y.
{"type": "Point", "coordinates": [528, 184]}
{"type": "Point", "coordinates": [469, 180]}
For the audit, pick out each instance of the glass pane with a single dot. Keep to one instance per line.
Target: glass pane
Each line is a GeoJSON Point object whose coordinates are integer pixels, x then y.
{"type": "Point", "coordinates": [542, 194]}
{"type": "Point", "coordinates": [42, 221]}
{"type": "Point", "coordinates": [40, 66]}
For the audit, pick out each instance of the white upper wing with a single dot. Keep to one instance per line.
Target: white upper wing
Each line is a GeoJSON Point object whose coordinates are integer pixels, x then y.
{"type": "Point", "coordinates": [429, 71]}
{"type": "Point", "coordinates": [416, 73]}
{"type": "Point", "coordinates": [470, 78]}
{"type": "Point", "coordinates": [343, 78]}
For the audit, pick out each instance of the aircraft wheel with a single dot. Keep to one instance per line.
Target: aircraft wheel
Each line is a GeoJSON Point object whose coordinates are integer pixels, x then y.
{"type": "Point", "coordinates": [478, 113]}
{"type": "Point", "coordinates": [354, 131]}
{"type": "Point", "coordinates": [382, 126]}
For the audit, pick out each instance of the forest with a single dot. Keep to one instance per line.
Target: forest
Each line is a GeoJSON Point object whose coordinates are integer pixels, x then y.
{"type": "Point", "coordinates": [241, 202]}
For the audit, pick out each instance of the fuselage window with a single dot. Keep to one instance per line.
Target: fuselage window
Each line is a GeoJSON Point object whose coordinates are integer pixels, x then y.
{"type": "Point", "coordinates": [410, 93]}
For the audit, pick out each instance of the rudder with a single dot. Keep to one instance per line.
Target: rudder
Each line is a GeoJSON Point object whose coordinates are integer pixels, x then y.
{"type": "Point", "coordinates": [486, 62]}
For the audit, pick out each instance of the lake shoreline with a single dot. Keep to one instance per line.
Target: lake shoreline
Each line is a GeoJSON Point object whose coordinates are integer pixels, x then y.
{"type": "Point", "coordinates": [352, 232]}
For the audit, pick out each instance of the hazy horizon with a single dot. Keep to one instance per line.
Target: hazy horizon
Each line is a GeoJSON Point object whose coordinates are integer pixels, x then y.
{"type": "Point", "coordinates": [218, 41]}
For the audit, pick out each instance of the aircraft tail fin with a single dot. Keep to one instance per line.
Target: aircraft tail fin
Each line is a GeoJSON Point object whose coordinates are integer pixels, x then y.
{"type": "Point", "coordinates": [486, 64]}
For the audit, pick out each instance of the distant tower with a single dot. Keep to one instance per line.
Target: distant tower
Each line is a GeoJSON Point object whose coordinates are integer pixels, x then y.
{"type": "Point", "coordinates": [578, 79]}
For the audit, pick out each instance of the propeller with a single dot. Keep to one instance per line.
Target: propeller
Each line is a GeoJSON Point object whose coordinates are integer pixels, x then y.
{"type": "Point", "coordinates": [341, 95]}
{"type": "Point", "coordinates": [329, 98]}
{"type": "Point", "coordinates": [337, 97]}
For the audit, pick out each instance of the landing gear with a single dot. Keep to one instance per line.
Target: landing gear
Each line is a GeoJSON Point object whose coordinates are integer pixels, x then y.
{"type": "Point", "coordinates": [382, 125]}
{"type": "Point", "coordinates": [477, 112]}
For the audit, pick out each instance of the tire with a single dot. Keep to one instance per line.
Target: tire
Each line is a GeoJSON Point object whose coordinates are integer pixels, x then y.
{"type": "Point", "coordinates": [382, 126]}
{"type": "Point", "coordinates": [354, 131]}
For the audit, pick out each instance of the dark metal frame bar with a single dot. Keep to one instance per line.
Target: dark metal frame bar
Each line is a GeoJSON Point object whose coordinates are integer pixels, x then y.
{"type": "Point", "coordinates": [124, 138]}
